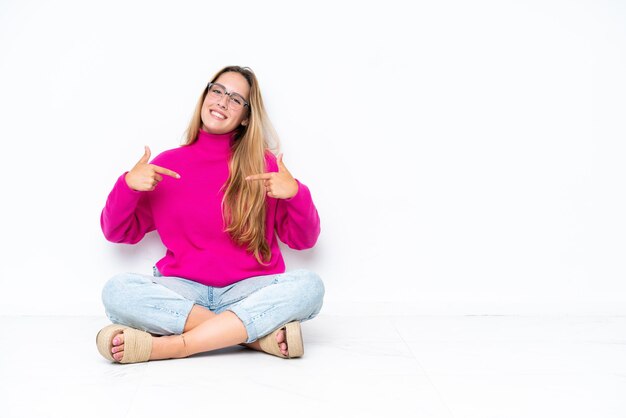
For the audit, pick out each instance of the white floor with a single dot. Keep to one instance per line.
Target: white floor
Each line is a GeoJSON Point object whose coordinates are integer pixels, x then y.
{"type": "Point", "coordinates": [418, 366]}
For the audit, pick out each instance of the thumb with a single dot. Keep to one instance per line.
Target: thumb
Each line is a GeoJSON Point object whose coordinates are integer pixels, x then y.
{"type": "Point", "coordinates": [146, 155]}
{"type": "Point", "coordinates": [281, 165]}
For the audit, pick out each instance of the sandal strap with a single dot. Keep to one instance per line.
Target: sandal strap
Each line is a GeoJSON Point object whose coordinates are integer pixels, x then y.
{"type": "Point", "coordinates": [137, 346]}
{"type": "Point", "coordinates": [293, 338]}
{"type": "Point", "coordinates": [269, 344]}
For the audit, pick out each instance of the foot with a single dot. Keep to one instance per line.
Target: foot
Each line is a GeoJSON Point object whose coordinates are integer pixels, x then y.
{"type": "Point", "coordinates": [281, 339]}
{"type": "Point", "coordinates": [162, 347]}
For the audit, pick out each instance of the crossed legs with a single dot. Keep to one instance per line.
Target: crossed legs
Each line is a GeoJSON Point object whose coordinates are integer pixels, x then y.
{"type": "Point", "coordinates": [204, 331]}
{"type": "Point", "coordinates": [168, 308]}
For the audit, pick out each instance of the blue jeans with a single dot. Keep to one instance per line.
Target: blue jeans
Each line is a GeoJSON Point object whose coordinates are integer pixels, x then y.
{"type": "Point", "coordinates": [160, 305]}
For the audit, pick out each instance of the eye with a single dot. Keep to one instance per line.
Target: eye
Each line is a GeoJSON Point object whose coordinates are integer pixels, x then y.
{"type": "Point", "coordinates": [217, 90]}
{"type": "Point", "coordinates": [237, 100]}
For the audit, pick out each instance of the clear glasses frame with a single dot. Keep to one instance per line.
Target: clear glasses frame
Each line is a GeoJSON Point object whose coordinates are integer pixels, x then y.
{"type": "Point", "coordinates": [235, 100]}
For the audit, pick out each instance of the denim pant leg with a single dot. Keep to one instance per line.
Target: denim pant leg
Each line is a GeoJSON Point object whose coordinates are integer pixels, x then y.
{"type": "Point", "coordinates": [158, 305]}
{"type": "Point", "coordinates": [265, 303]}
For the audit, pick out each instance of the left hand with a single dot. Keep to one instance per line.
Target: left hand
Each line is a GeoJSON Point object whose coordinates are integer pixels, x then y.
{"type": "Point", "coordinates": [279, 185]}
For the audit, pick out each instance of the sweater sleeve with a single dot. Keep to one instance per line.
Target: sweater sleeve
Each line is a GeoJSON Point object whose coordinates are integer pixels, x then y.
{"type": "Point", "coordinates": [297, 220]}
{"type": "Point", "coordinates": [126, 216]}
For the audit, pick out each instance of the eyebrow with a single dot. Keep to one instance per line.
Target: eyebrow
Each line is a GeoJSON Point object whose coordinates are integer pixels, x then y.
{"type": "Point", "coordinates": [231, 91]}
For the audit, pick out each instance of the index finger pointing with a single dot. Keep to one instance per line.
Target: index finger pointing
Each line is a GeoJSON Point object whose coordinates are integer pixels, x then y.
{"type": "Point", "coordinates": [165, 171]}
{"type": "Point", "coordinates": [264, 176]}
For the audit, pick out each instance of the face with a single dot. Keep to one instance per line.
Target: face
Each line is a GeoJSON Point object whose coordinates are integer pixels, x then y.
{"type": "Point", "coordinates": [218, 117]}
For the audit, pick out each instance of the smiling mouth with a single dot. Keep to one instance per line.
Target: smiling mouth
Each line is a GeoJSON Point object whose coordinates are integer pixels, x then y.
{"type": "Point", "coordinates": [217, 115]}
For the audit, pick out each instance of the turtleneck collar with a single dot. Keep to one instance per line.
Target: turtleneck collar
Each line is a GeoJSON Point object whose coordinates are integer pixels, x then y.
{"type": "Point", "coordinates": [216, 144]}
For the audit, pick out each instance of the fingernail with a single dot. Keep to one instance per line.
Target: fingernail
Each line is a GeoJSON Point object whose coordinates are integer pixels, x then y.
{"type": "Point", "coordinates": [115, 341]}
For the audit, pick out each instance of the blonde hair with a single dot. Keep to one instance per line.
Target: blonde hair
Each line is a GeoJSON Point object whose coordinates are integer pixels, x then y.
{"type": "Point", "coordinates": [244, 204]}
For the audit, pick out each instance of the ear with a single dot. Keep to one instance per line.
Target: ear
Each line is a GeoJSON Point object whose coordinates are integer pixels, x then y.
{"type": "Point", "coordinates": [244, 122]}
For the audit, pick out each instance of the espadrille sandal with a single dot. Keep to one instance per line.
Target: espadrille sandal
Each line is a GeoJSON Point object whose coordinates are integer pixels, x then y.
{"type": "Point", "coordinates": [137, 344]}
{"type": "Point", "coordinates": [293, 337]}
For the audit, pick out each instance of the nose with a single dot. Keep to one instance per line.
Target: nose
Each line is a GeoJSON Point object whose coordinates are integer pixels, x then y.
{"type": "Point", "coordinates": [224, 101]}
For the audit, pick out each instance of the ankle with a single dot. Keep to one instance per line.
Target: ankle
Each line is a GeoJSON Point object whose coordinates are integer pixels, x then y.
{"type": "Point", "coordinates": [185, 353]}
{"type": "Point", "coordinates": [255, 345]}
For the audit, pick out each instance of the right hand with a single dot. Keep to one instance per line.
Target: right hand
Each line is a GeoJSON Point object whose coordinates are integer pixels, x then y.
{"type": "Point", "coordinates": [144, 177]}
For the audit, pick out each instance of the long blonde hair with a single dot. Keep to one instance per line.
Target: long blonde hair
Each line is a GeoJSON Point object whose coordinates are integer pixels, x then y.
{"type": "Point", "coordinates": [244, 204]}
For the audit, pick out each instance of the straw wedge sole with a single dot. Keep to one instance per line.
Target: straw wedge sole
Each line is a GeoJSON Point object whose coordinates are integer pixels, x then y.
{"type": "Point", "coordinates": [137, 344]}
{"type": "Point", "coordinates": [293, 336]}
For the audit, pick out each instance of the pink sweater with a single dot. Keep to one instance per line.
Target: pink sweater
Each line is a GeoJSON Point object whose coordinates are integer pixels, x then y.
{"type": "Point", "coordinates": [187, 214]}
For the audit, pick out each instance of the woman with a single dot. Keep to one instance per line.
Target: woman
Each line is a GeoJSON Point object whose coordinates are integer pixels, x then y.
{"type": "Point", "coordinates": [218, 203]}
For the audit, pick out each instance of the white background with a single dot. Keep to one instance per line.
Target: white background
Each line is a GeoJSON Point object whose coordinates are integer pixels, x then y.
{"type": "Point", "coordinates": [465, 157]}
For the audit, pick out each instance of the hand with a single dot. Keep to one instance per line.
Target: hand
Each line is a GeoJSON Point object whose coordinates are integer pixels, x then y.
{"type": "Point", "coordinates": [280, 185]}
{"type": "Point", "coordinates": [144, 177]}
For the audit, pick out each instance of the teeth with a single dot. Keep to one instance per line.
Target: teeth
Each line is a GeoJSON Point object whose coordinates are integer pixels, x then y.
{"type": "Point", "coordinates": [217, 115]}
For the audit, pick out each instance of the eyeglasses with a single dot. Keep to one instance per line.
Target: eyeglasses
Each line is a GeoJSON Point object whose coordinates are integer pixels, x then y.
{"type": "Point", "coordinates": [217, 91]}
